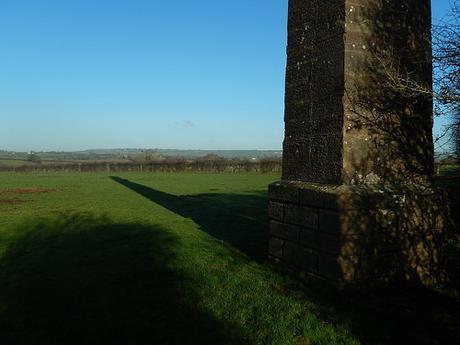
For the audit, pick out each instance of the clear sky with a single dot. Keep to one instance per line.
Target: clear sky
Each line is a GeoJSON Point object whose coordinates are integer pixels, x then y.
{"type": "Point", "coordinates": [202, 74]}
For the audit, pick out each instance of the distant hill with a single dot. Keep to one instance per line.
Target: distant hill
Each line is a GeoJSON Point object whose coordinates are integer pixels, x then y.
{"type": "Point", "coordinates": [222, 153]}
{"type": "Point", "coordinates": [187, 153]}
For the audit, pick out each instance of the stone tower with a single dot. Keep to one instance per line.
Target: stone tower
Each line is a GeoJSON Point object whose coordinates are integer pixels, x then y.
{"type": "Point", "coordinates": [355, 203]}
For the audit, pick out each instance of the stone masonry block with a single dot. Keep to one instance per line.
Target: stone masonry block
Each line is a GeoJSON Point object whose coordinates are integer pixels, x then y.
{"type": "Point", "coordinates": [276, 247]}
{"type": "Point", "coordinates": [291, 254]}
{"type": "Point", "coordinates": [318, 198]}
{"type": "Point", "coordinates": [328, 267]}
{"type": "Point", "coordinates": [355, 202]}
{"type": "Point", "coordinates": [281, 192]}
{"type": "Point", "coordinates": [307, 238]}
{"type": "Point", "coordinates": [309, 261]}
{"type": "Point", "coordinates": [301, 215]}
{"type": "Point", "coordinates": [329, 244]}
{"type": "Point", "coordinates": [329, 222]}
{"type": "Point", "coordinates": [344, 244]}
{"type": "Point", "coordinates": [276, 210]}
{"type": "Point", "coordinates": [284, 231]}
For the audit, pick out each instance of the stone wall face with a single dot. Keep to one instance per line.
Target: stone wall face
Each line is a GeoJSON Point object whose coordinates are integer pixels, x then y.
{"type": "Point", "coordinates": [314, 91]}
{"type": "Point", "coordinates": [353, 235]}
{"type": "Point", "coordinates": [387, 125]}
{"type": "Point", "coordinates": [347, 119]}
{"type": "Point", "coordinates": [355, 202]}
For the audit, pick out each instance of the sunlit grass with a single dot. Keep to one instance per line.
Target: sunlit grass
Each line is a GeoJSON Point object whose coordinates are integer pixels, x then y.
{"type": "Point", "coordinates": [147, 258]}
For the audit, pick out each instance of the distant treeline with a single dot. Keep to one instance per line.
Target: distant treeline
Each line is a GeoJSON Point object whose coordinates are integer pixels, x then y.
{"type": "Point", "coordinates": [268, 165]}
{"type": "Point", "coordinates": [136, 154]}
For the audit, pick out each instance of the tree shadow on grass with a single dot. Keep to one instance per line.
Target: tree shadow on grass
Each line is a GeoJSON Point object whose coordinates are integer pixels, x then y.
{"type": "Point", "coordinates": [238, 219]}
{"type": "Point", "coordinates": [85, 280]}
{"type": "Point", "coordinates": [396, 315]}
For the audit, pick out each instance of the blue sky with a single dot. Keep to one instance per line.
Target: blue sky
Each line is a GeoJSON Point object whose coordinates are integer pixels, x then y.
{"type": "Point", "coordinates": [203, 74]}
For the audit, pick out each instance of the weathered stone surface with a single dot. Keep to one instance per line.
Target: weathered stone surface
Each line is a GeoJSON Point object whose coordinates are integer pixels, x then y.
{"type": "Point", "coordinates": [276, 210]}
{"type": "Point", "coordinates": [339, 115]}
{"type": "Point", "coordinates": [308, 261]}
{"type": "Point", "coordinates": [276, 247]}
{"type": "Point", "coordinates": [301, 215]}
{"type": "Point", "coordinates": [284, 231]}
{"type": "Point", "coordinates": [307, 238]}
{"type": "Point", "coordinates": [281, 192]}
{"type": "Point", "coordinates": [328, 267]}
{"type": "Point", "coordinates": [355, 203]}
{"type": "Point", "coordinates": [291, 253]}
{"type": "Point", "coordinates": [351, 244]}
{"type": "Point", "coordinates": [387, 132]}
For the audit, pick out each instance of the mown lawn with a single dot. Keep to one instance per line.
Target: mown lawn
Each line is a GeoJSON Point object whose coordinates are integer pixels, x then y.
{"type": "Point", "coordinates": [171, 259]}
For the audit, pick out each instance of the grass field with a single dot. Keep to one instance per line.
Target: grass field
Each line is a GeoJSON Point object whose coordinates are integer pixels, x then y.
{"type": "Point", "coordinates": [173, 259]}
{"type": "Point", "coordinates": [14, 162]}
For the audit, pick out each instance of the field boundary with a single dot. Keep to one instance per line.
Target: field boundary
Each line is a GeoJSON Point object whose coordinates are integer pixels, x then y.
{"type": "Point", "coordinates": [224, 166]}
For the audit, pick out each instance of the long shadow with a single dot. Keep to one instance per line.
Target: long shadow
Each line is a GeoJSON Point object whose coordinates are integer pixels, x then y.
{"type": "Point", "coordinates": [85, 280]}
{"type": "Point", "coordinates": [396, 315]}
{"type": "Point", "coordinates": [399, 315]}
{"type": "Point", "coordinates": [240, 220]}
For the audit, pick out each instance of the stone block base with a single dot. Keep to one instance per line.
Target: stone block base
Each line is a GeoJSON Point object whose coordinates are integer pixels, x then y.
{"type": "Point", "coordinates": [354, 235]}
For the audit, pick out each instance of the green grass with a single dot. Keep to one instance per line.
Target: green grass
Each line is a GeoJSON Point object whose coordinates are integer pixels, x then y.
{"type": "Point", "coordinates": [168, 259]}
{"type": "Point", "coordinates": [14, 162]}
{"type": "Point", "coordinates": [22, 162]}
{"type": "Point", "coordinates": [449, 170]}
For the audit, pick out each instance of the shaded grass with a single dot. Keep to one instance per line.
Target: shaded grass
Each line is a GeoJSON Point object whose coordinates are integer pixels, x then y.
{"type": "Point", "coordinates": [143, 274]}
{"type": "Point", "coordinates": [449, 180]}
{"type": "Point", "coordinates": [237, 219]}
{"type": "Point", "coordinates": [416, 314]}
{"type": "Point", "coordinates": [449, 170]}
{"type": "Point", "coordinates": [177, 258]}
{"type": "Point", "coordinates": [82, 279]}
